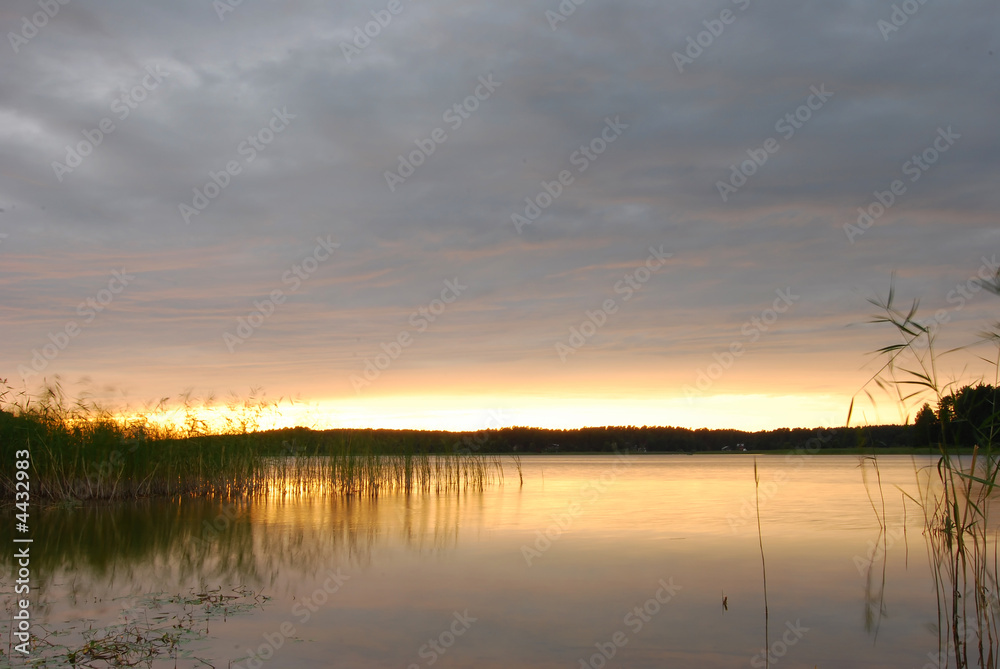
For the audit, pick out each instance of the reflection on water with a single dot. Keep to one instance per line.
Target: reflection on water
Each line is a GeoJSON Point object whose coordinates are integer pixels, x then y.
{"type": "Point", "coordinates": [105, 546]}
{"type": "Point", "coordinates": [594, 561]}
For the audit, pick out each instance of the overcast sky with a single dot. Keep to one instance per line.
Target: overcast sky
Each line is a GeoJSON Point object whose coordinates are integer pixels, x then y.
{"type": "Point", "coordinates": [673, 169]}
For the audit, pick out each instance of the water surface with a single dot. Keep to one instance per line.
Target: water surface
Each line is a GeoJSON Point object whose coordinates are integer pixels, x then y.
{"type": "Point", "coordinates": [596, 560]}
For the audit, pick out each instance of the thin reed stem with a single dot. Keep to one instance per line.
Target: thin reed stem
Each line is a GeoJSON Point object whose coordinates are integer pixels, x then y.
{"type": "Point", "coordinates": [763, 564]}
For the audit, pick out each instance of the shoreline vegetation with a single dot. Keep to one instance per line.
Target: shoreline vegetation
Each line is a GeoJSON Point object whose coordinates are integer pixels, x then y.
{"type": "Point", "coordinates": [80, 451]}
{"type": "Point", "coordinates": [956, 495]}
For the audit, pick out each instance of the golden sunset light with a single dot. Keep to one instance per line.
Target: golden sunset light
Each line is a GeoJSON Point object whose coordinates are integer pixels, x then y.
{"type": "Point", "coordinates": [547, 334]}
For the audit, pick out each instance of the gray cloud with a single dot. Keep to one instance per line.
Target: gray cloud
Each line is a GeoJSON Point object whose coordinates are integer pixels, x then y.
{"type": "Point", "coordinates": [323, 174]}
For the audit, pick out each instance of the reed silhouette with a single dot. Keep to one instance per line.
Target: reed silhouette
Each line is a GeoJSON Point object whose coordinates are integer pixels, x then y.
{"type": "Point", "coordinates": [955, 496]}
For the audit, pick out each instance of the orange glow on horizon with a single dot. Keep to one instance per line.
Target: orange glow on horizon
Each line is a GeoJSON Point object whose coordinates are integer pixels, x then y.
{"type": "Point", "coordinates": [470, 412]}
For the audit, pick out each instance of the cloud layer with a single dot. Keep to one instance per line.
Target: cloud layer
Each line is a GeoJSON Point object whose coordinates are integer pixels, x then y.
{"type": "Point", "coordinates": [533, 154]}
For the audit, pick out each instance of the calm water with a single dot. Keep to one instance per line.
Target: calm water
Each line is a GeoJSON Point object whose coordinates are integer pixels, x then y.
{"type": "Point", "coordinates": [594, 556]}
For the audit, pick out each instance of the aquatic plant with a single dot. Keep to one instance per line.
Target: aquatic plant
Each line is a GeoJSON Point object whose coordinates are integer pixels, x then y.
{"type": "Point", "coordinates": [763, 564]}
{"type": "Point", "coordinates": [956, 495]}
{"type": "Point", "coordinates": [81, 451]}
{"type": "Point", "coordinates": [155, 627]}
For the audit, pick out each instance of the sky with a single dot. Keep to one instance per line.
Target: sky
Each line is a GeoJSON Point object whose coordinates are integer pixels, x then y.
{"type": "Point", "coordinates": [460, 214]}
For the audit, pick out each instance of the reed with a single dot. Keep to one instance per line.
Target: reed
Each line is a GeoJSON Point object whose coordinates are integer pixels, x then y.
{"type": "Point", "coordinates": [517, 464]}
{"type": "Point", "coordinates": [763, 564]}
{"type": "Point", "coordinates": [79, 451]}
{"type": "Point", "coordinates": [955, 496]}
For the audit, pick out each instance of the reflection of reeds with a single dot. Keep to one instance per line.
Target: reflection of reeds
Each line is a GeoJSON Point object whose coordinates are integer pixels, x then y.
{"type": "Point", "coordinates": [169, 544]}
{"type": "Point", "coordinates": [955, 498]}
{"type": "Point", "coordinates": [81, 452]}
{"type": "Point", "coordinates": [875, 601]}
{"type": "Point", "coordinates": [763, 565]}
{"type": "Point", "coordinates": [964, 559]}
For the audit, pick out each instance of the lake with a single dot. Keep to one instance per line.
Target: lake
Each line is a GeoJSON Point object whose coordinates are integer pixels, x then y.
{"type": "Point", "coordinates": [603, 560]}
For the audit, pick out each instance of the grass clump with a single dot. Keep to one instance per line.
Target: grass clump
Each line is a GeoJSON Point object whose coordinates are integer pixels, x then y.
{"type": "Point", "coordinates": [79, 451]}
{"type": "Point", "coordinates": [955, 494]}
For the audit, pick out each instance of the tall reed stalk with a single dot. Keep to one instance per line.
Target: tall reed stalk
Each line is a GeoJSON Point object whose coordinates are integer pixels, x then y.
{"type": "Point", "coordinates": [956, 498]}
{"type": "Point", "coordinates": [763, 564]}
{"type": "Point", "coordinates": [79, 451]}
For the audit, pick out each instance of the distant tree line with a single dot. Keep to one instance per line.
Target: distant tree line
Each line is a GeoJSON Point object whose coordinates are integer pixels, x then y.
{"type": "Point", "coordinates": [963, 418]}
{"type": "Point", "coordinates": [966, 417]}
{"type": "Point", "coordinates": [527, 440]}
